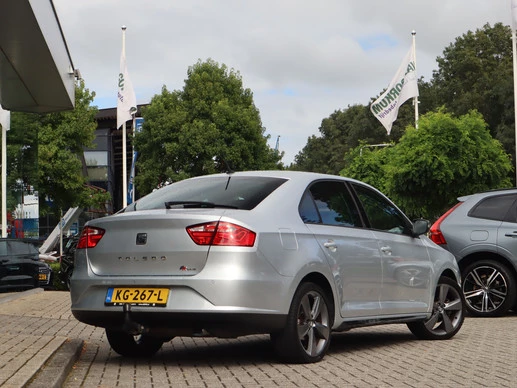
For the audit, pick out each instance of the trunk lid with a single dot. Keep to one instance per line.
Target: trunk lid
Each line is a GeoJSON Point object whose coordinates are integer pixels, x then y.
{"type": "Point", "coordinates": [150, 243]}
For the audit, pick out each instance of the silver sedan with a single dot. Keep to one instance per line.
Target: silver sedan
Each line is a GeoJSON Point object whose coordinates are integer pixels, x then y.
{"type": "Point", "coordinates": [293, 254]}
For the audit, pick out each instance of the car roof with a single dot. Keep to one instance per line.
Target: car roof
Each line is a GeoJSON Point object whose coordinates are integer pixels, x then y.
{"type": "Point", "coordinates": [488, 193]}
{"type": "Point", "coordinates": [286, 174]}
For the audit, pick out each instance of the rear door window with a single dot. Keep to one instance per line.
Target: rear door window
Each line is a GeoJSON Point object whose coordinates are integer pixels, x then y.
{"type": "Point", "coordinates": [329, 203]}
{"type": "Point", "coordinates": [496, 208]}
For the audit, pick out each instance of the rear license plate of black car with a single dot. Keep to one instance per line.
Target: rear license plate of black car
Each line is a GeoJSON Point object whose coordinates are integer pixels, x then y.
{"type": "Point", "coordinates": [153, 297]}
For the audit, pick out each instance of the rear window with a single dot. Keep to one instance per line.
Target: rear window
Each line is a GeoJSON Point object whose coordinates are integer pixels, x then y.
{"type": "Point", "coordinates": [239, 192]}
{"type": "Point", "coordinates": [17, 248]}
{"type": "Point", "coordinates": [493, 208]}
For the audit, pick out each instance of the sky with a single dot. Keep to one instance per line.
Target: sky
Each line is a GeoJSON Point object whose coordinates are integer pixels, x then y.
{"type": "Point", "coordinates": [302, 59]}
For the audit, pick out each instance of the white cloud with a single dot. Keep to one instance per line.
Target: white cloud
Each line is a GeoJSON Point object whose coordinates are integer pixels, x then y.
{"type": "Point", "coordinates": [302, 59]}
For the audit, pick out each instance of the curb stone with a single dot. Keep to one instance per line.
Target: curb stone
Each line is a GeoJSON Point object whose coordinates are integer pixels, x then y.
{"type": "Point", "coordinates": [56, 369]}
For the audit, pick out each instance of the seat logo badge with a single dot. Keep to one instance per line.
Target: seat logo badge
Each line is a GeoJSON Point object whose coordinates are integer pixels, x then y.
{"type": "Point", "coordinates": [141, 238]}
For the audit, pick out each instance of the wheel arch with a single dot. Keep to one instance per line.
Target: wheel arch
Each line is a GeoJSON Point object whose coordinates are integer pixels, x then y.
{"type": "Point", "coordinates": [449, 273]}
{"type": "Point", "coordinates": [478, 256]}
{"type": "Point", "coordinates": [322, 281]}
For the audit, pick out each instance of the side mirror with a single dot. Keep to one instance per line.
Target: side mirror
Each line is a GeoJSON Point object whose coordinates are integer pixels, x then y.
{"type": "Point", "coordinates": [420, 227]}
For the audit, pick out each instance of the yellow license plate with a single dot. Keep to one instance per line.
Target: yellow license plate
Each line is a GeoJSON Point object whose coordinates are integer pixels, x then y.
{"type": "Point", "coordinates": [137, 296]}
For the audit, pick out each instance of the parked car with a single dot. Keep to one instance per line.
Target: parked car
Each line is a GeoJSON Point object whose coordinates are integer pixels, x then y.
{"type": "Point", "coordinates": [20, 266]}
{"type": "Point", "coordinates": [293, 254]}
{"type": "Point", "coordinates": [481, 231]}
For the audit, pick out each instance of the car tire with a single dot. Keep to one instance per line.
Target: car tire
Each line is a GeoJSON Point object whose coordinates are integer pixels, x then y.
{"type": "Point", "coordinates": [129, 345]}
{"type": "Point", "coordinates": [447, 316]}
{"type": "Point", "coordinates": [306, 336]}
{"type": "Point", "coordinates": [489, 288]}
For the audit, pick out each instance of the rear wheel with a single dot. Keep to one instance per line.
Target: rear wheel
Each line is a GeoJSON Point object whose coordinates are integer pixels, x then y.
{"type": "Point", "coordinates": [306, 336]}
{"type": "Point", "coordinates": [448, 313]}
{"type": "Point", "coordinates": [489, 288]}
{"type": "Point", "coordinates": [133, 345]}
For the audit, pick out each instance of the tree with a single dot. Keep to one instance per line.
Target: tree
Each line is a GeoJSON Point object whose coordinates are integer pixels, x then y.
{"type": "Point", "coordinates": [22, 156]}
{"type": "Point", "coordinates": [476, 72]}
{"type": "Point", "coordinates": [340, 132]}
{"type": "Point", "coordinates": [430, 167]}
{"type": "Point", "coordinates": [212, 125]}
{"type": "Point", "coordinates": [344, 130]}
{"type": "Point", "coordinates": [61, 139]}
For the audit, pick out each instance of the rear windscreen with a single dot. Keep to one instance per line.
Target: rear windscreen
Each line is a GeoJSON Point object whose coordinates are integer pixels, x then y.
{"type": "Point", "coordinates": [237, 192]}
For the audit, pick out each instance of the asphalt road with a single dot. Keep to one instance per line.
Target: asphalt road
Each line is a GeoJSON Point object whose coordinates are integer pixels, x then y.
{"type": "Point", "coordinates": [43, 345]}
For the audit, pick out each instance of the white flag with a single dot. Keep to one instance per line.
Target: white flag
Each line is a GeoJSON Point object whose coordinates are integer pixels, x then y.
{"type": "Point", "coordinates": [126, 102]}
{"type": "Point", "coordinates": [401, 88]}
{"type": "Point", "coordinates": [514, 14]}
{"type": "Point", "coordinates": [5, 119]}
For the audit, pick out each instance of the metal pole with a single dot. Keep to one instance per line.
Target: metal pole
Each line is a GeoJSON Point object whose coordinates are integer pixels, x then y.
{"type": "Point", "coordinates": [4, 182]}
{"type": "Point", "coordinates": [415, 99]}
{"type": "Point", "coordinates": [124, 135]}
{"type": "Point", "coordinates": [515, 94]}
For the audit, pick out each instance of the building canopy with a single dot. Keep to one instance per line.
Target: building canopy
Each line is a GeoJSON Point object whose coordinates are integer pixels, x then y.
{"type": "Point", "coordinates": [36, 71]}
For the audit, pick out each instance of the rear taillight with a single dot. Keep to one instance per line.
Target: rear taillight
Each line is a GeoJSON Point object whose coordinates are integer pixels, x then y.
{"type": "Point", "coordinates": [222, 234]}
{"type": "Point", "coordinates": [435, 234]}
{"type": "Point", "coordinates": [89, 238]}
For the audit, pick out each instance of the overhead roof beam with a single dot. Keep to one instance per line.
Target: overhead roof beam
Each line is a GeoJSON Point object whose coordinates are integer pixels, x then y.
{"type": "Point", "coordinates": [36, 71]}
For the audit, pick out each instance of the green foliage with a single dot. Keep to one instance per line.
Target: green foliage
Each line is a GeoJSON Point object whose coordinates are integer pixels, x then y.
{"type": "Point", "coordinates": [22, 156]}
{"type": "Point", "coordinates": [57, 284]}
{"type": "Point", "coordinates": [209, 126]}
{"type": "Point", "coordinates": [368, 164]}
{"type": "Point", "coordinates": [45, 152]}
{"type": "Point", "coordinates": [476, 72]}
{"type": "Point", "coordinates": [340, 132]}
{"type": "Point", "coordinates": [430, 167]}
{"type": "Point", "coordinates": [344, 130]}
{"type": "Point", "coordinates": [61, 138]}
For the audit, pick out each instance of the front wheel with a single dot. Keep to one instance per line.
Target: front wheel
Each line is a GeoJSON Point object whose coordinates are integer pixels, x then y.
{"type": "Point", "coordinates": [448, 313]}
{"type": "Point", "coordinates": [306, 336]}
{"type": "Point", "coordinates": [129, 345]}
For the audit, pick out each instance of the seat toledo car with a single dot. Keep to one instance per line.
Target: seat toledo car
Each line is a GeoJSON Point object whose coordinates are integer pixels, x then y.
{"type": "Point", "coordinates": [481, 231]}
{"type": "Point", "coordinates": [291, 254]}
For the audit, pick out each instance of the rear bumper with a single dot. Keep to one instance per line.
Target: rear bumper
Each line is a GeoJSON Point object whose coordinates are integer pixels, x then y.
{"type": "Point", "coordinates": [171, 324]}
{"type": "Point", "coordinates": [220, 307]}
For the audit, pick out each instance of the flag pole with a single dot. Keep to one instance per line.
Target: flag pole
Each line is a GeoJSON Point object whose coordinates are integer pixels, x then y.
{"type": "Point", "coordinates": [514, 51]}
{"type": "Point", "coordinates": [124, 135]}
{"type": "Point", "coordinates": [515, 94]}
{"type": "Point", "coordinates": [4, 181]}
{"type": "Point", "coordinates": [415, 99]}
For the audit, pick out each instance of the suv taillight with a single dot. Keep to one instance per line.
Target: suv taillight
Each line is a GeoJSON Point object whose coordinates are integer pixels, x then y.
{"type": "Point", "coordinates": [435, 234]}
{"type": "Point", "coordinates": [89, 238]}
{"type": "Point", "coordinates": [221, 234]}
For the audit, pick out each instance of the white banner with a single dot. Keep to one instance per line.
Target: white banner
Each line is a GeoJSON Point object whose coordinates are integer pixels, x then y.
{"type": "Point", "coordinates": [401, 88]}
{"type": "Point", "coordinates": [126, 101]}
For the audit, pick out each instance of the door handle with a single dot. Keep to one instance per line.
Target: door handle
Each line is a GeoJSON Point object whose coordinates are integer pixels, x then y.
{"type": "Point", "coordinates": [513, 234]}
{"type": "Point", "coordinates": [386, 250]}
{"type": "Point", "coordinates": [330, 245]}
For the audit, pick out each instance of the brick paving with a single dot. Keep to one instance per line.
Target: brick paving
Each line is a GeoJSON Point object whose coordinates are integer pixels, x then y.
{"type": "Point", "coordinates": [482, 354]}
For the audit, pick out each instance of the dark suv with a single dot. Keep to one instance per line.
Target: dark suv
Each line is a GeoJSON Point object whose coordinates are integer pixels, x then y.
{"type": "Point", "coordinates": [481, 231]}
{"type": "Point", "coordinates": [20, 267]}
